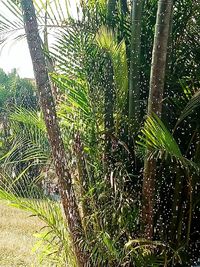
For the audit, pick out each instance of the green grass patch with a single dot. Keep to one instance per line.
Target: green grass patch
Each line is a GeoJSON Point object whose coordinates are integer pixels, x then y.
{"type": "Point", "coordinates": [16, 237]}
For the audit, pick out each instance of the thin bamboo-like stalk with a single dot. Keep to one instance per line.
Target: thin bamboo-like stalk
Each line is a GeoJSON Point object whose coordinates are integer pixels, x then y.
{"type": "Point", "coordinates": [190, 200]}
{"type": "Point", "coordinates": [157, 78]}
{"type": "Point", "coordinates": [135, 50]}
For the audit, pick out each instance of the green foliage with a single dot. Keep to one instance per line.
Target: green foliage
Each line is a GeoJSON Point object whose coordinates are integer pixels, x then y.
{"type": "Point", "coordinates": [191, 106]}
{"type": "Point", "coordinates": [158, 138]}
{"type": "Point", "coordinates": [160, 142]}
{"type": "Point", "coordinates": [107, 40]}
{"type": "Point", "coordinates": [108, 190]}
{"type": "Point", "coordinates": [31, 118]}
{"type": "Point", "coordinates": [53, 240]}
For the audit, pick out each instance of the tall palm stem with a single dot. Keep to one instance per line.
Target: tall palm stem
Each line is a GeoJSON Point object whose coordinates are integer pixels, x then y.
{"type": "Point", "coordinates": [110, 12]}
{"type": "Point", "coordinates": [48, 107]}
{"type": "Point", "coordinates": [135, 50]}
{"type": "Point", "coordinates": [157, 78]}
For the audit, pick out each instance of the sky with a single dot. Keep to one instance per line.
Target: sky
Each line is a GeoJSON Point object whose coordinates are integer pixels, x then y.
{"type": "Point", "coordinates": [16, 54]}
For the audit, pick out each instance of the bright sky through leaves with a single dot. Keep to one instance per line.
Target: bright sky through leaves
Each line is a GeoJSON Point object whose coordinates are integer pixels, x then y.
{"type": "Point", "coordinates": [16, 54]}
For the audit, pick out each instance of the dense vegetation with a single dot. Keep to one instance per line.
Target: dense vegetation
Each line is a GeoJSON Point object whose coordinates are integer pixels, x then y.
{"type": "Point", "coordinates": [117, 126]}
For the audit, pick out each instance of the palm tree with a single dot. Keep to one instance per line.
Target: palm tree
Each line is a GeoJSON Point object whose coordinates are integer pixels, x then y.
{"type": "Point", "coordinates": [157, 79]}
{"type": "Point", "coordinates": [81, 110]}
{"type": "Point", "coordinates": [110, 11]}
{"type": "Point", "coordinates": [53, 130]}
{"type": "Point", "coordinates": [134, 81]}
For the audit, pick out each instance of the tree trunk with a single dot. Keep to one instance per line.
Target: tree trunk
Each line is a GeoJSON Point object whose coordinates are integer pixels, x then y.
{"type": "Point", "coordinates": [124, 6]}
{"type": "Point", "coordinates": [108, 113]}
{"type": "Point", "coordinates": [157, 78]}
{"type": "Point", "coordinates": [109, 93]}
{"type": "Point", "coordinates": [135, 50]}
{"type": "Point", "coordinates": [48, 107]}
{"type": "Point", "coordinates": [111, 6]}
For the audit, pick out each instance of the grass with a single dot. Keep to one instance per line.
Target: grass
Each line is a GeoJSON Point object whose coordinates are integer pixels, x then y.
{"type": "Point", "coordinates": [16, 237]}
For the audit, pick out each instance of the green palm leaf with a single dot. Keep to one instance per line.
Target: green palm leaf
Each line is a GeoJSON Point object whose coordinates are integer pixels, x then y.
{"type": "Point", "coordinates": [50, 14]}
{"type": "Point", "coordinates": [193, 103]}
{"type": "Point", "coordinates": [54, 237]}
{"type": "Point", "coordinates": [29, 141]}
{"type": "Point", "coordinates": [28, 117]}
{"type": "Point", "coordinates": [107, 40]}
{"type": "Point", "coordinates": [160, 142]}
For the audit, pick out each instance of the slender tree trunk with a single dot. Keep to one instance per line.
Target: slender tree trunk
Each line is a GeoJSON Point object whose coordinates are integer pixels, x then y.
{"type": "Point", "coordinates": [49, 61]}
{"type": "Point", "coordinates": [124, 6]}
{"type": "Point", "coordinates": [108, 111]}
{"type": "Point", "coordinates": [110, 12]}
{"type": "Point", "coordinates": [135, 50]}
{"type": "Point", "coordinates": [155, 106]}
{"type": "Point", "coordinates": [48, 107]}
{"type": "Point", "coordinates": [5, 125]}
{"type": "Point", "coordinates": [109, 93]}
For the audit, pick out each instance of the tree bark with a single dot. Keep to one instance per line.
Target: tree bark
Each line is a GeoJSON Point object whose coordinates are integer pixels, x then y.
{"type": "Point", "coordinates": [124, 6]}
{"type": "Point", "coordinates": [157, 79]}
{"type": "Point", "coordinates": [135, 50]}
{"type": "Point", "coordinates": [108, 112]}
{"type": "Point", "coordinates": [109, 92]}
{"type": "Point", "coordinates": [111, 6]}
{"type": "Point", "coordinates": [48, 107]}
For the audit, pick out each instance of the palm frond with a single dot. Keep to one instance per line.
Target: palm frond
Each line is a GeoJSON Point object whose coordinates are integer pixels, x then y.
{"type": "Point", "coordinates": [11, 20]}
{"type": "Point", "coordinates": [54, 235]}
{"type": "Point", "coordinates": [160, 142]}
{"type": "Point", "coordinates": [29, 141]}
{"type": "Point", "coordinates": [107, 40]}
{"type": "Point", "coordinates": [193, 103]}
{"type": "Point", "coordinates": [28, 117]}
{"type": "Point", "coordinates": [70, 49]}
{"type": "Point", "coordinates": [50, 14]}
{"type": "Point", "coordinates": [76, 92]}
